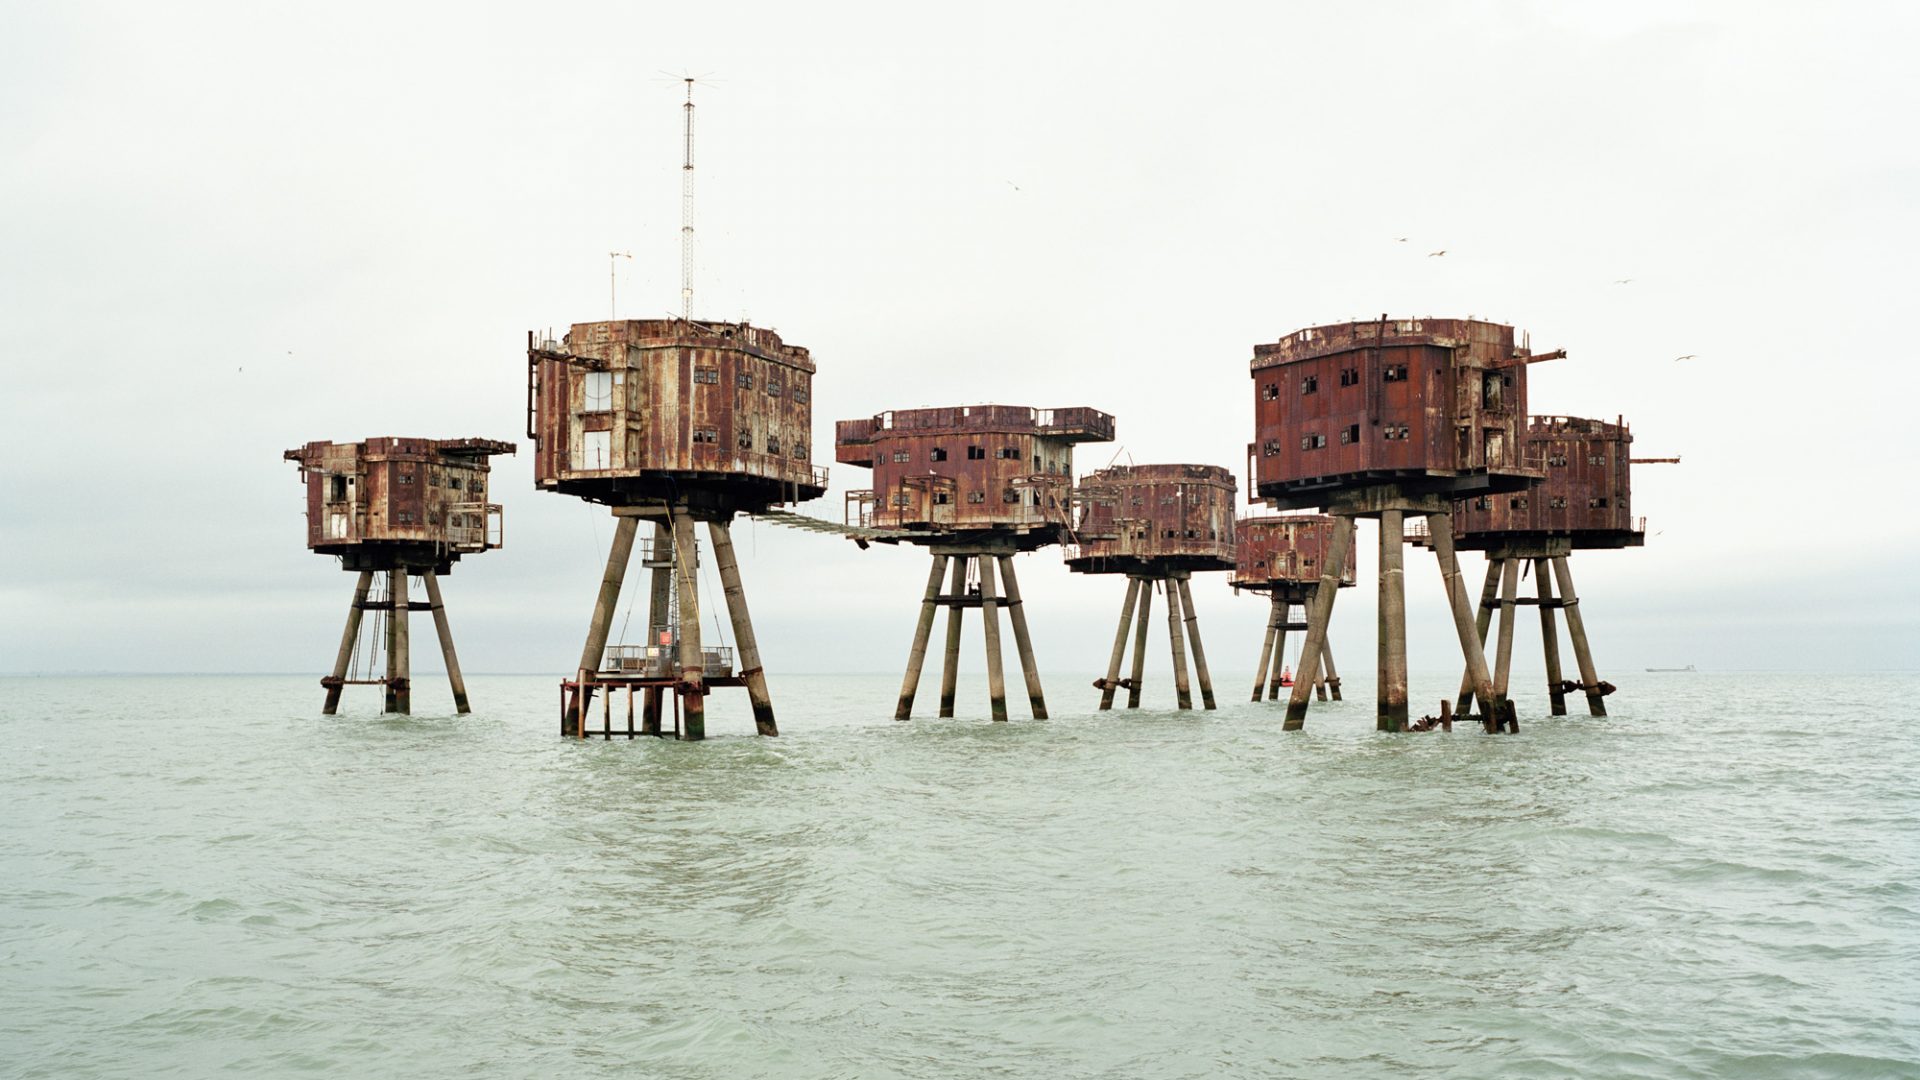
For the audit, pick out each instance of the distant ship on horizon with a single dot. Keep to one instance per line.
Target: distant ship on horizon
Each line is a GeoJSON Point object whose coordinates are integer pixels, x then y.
{"type": "Point", "coordinates": [1689, 667]}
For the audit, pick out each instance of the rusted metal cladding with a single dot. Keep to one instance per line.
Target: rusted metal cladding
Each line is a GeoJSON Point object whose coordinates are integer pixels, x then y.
{"type": "Point", "coordinates": [641, 410]}
{"type": "Point", "coordinates": [394, 502]}
{"type": "Point", "coordinates": [1587, 496]}
{"type": "Point", "coordinates": [1000, 468]}
{"type": "Point", "coordinates": [1428, 405]}
{"type": "Point", "coordinates": [1134, 519]}
{"type": "Point", "coordinates": [1286, 549]}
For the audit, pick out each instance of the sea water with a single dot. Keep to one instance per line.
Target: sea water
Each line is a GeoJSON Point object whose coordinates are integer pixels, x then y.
{"type": "Point", "coordinates": [203, 876]}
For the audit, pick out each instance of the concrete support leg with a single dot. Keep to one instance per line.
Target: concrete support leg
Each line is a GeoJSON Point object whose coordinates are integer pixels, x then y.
{"type": "Point", "coordinates": [344, 659]}
{"type": "Point", "coordinates": [1200, 672]}
{"type": "Point", "coordinates": [1320, 677]}
{"type": "Point", "coordinates": [1550, 636]}
{"type": "Point", "coordinates": [446, 644]}
{"type": "Point", "coordinates": [990, 622]}
{"type": "Point", "coordinates": [1274, 618]}
{"type": "Point", "coordinates": [399, 650]}
{"type": "Point", "coordinates": [571, 722]}
{"type": "Point", "coordinates": [1112, 681]}
{"type": "Point", "coordinates": [1176, 632]}
{"type": "Point", "coordinates": [1333, 673]}
{"type": "Point", "coordinates": [1138, 675]}
{"type": "Point", "coordinates": [922, 631]}
{"type": "Point", "coordinates": [1332, 564]}
{"type": "Point", "coordinates": [1482, 620]}
{"type": "Point", "coordinates": [1503, 655]}
{"type": "Point", "coordinates": [1283, 609]}
{"type": "Point", "coordinates": [1391, 710]}
{"type": "Point", "coordinates": [693, 660]}
{"type": "Point", "coordinates": [745, 644]}
{"type": "Point", "coordinates": [1441, 528]}
{"type": "Point", "coordinates": [1577, 632]}
{"type": "Point", "coordinates": [1022, 643]}
{"type": "Point", "coordinates": [659, 604]}
{"type": "Point", "coordinates": [950, 663]}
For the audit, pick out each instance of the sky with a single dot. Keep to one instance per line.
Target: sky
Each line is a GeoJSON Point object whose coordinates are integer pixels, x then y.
{"type": "Point", "coordinates": [228, 229]}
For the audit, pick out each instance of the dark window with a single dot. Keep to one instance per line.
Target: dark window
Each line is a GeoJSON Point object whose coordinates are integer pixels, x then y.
{"type": "Point", "coordinates": [338, 484]}
{"type": "Point", "coordinates": [941, 498]}
{"type": "Point", "coordinates": [799, 396]}
{"type": "Point", "coordinates": [775, 388]}
{"type": "Point", "coordinates": [743, 380]}
{"type": "Point", "coordinates": [976, 496]}
{"type": "Point", "coordinates": [745, 440]}
{"type": "Point", "coordinates": [1270, 391]}
{"type": "Point", "coordinates": [799, 451]}
{"type": "Point", "coordinates": [773, 444]}
{"type": "Point", "coordinates": [706, 375]}
{"type": "Point", "coordinates": [1312, 442]}
{"type": "Point", "coordinates": [1394, 373]}
{"type": "Point", "coordinates": [937, 454]}
{"type": "Point", "coordinates": [1009, 496]}
{"type": "Point", "coordinates": [903, 455]}
{"type": "Point", "coordinates": [453, 483]}
{"type": "Point", "coordinates": [1596, 459]}
{"type": "Point", "coordinates": [1557, 460]}
{"type": "Point", "coordinates": [1271, 448]}
{"type": "Point", "coordinates": [1310, 384]}
{"type": "Point", "coordinates": [1349, 376]}
{"type": "Point", "coordinates": [706, 435]}
{"type": "Point", "coordinates": [976, 453]}
{"type": "Point", "coordinates": [1518, 502]}
{"type": "Point", "coordinates": [1008, 453]}
{"type": "Point", "coordinates": [1598, 502]}
{"type": "Point", "coordinates": [406, 478]}
{"type": "Point", "coordinates": [1350, 434]}
{"type": "Point", "coordinates": [1482, 503]}
{"type": "Point", "coordinates": [405, 517]}
{"type": "Point", "coordinates": [900, 499]}
{"type": "Point", "coordinates": [1557, 502]}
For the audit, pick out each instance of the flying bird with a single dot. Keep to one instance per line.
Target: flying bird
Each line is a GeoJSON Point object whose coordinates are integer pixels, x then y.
{"type": "Point", "coordinates": [1623, 281]}
{"type": "Point", "coordinates": [1436, 254]}
{"type": "Point", "coordinates": [1689, 356]}
{"type": "Point", "coordinates": [1399, 239]}
{"type": "Point", "coordinates": [1013, 185]}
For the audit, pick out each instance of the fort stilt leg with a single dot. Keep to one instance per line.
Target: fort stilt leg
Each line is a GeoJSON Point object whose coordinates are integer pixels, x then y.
{"type": "Point", "coordinates": [1320, 677]}
{"type": "Point", "coordinates": [1391, 710]}
{"type": "Point", "coordinates": [1326, 665]}
{"type": "Point", "coordinates": [1550, 636]}
{"type": "Point", "coordinates": [693, 660]}
{"type": "Point", "coordinates": [650, 711]}
{"type": "Point", "coordinates": [348, 640]}
{"type": "Point", "coordinates": [1193, 642]}
{"type": "Point", "coordinates": [1284, 609]}
{"type": "Point", "coordinates": [950, 663]}
{"type": "Point", "coordinates": [1332, 564]}
{"type": "Point", "coordinates": [1476, 657]}
{"type": "Point", "coordinates": [1183, 692]}
{"type": "Point", "coordinates": [922, 631]}
{"type": "Point", "coordinates": [1139, 673]}
{"type": "Point", "coordinates": [1022, 643]}
{"type": "Point", "coordinates": [1482, 620]}
{"type": "Point", "coordinates": [446, 644]}
{"type": "Point", "coordinates": [1503, 656]}
{"type": "Point", "coordinates": [1577, 632]}
{"type": "Point", "coordinates": [1274, 618]}
{"type": "Point", "coordinates": [399, 651]}
{"type": "Point", "coordinates": [720, 533]}
{"type": "Point", "coordinates": [990, 621]}
{"type": "Point", "coordinates": [1112, 681]}
{"type": "Point", "coordinates": [659, 603]}
{"type": "Point", "coordinates": [571, 722]}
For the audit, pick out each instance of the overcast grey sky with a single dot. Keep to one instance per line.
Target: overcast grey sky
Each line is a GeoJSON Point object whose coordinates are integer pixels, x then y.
{"type": "Point", "coordinates": [226, 229]}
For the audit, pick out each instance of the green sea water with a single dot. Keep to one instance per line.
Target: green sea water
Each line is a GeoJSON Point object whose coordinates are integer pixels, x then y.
{"type": "Point", "coordinates": [204, 877]}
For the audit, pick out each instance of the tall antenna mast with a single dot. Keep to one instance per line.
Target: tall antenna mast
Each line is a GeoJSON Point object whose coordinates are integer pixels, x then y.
{"type": "Point", "coordinates": [686, 216]}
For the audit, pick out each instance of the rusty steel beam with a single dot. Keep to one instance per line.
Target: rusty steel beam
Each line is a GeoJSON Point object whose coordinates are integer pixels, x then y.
{"type": "Point", "coordinates": [1193, 639]}
{"type": "Point", "coordinates": [1318, 617]}
{"type": "Point", "coordinates": [1391, 708]}
{"type": "Point", "coordinates": [445, 632]}
{"type": "Point", "coordinates": [720, 533]}
{"type": "Point", "coordinates": [922, 631]}
{"type": "Point", "coordinates": [347, 641]}
{"type": "Point", "coordinates": [1023, 644]}
{"type": "Point", "coordinates": [1550, 636]}
{"type": "Point", "coordinates": [1112, 682]}
{"type": "Point", "coordinates": [990, 621]}
{"type": "Point", "coordinates": [950, 665]}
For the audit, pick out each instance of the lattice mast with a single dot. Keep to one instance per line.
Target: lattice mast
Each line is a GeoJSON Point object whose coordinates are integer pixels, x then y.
{"type": "Point", "coordinates": [686, 214]}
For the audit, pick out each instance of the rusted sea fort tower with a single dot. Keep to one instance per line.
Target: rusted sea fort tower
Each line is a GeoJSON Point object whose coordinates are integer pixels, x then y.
{"type": "Point", "coordinates": [1383, 419]}
{"type": "Point", "coordinates": [1585, 503]}
{"type": "Point", "coordinates": [400, 508]}
{"type": "Point", "coordinates": [1280, 555]}
{"type": "Point", "coordinates": [975, 485]}
{"type": "Point", "coordinates": [672, 421]}
{"type": "Point", "coordinates": [1158, 525]}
